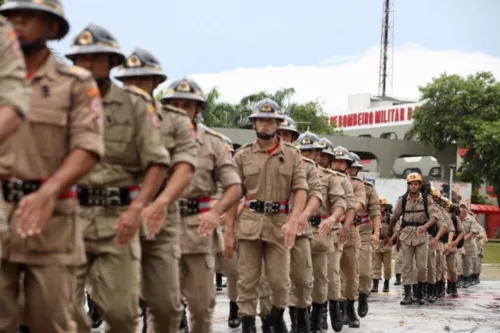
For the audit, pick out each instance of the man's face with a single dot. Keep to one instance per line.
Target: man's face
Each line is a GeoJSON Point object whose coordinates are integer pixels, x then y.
{"type": "Point", "coordinates": [32, 26]}
{"type": "Point", "coordinates": [323, 160]}
{"type": "Point", "coordinates": [309, 153]}
{"type": "Point", "coordinates": [191, 107]}
{"type": "Point", "coordinates": [285, 135]}
{"type": "Point", "coordinates": [97, 63]}
{"type": "Point", "coordinates": [146, 83]}
{"type": "Point", "coordinates": [339, 165]}
{"type": "Point", "coordinates": [414, 187]}
{"type": "Point", "coordinates": [463, 210]}
{"type": "Point", "coordinates": [352, 171]}
{"type": "Point", "coordinates": [266, 125]}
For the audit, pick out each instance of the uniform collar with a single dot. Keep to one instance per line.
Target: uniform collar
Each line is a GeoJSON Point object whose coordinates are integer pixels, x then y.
{"type": "Point", "coordinates": [280, 150]}
{"type": "Point", "coordinates": [420, 198]}
{"type": "Point", "coordinates": [48, 69]}
{"type": "Point", "coordinates": [114, 94]}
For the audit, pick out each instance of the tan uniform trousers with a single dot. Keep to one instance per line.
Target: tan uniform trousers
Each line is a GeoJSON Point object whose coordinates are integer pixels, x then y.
{"type": "Point", "coordinates": [252, 256]}
{"type": "Point", "coordinates": [382, 258]}
{"type": "Point", "coordinates": [468, 262]}
{"type": "Point", "coordinates": [334, 281]}
{"type": "Point", "coordinates": [265, 294]}
{"type": "Point", "coordinates": [113, 273]}
{"type": "Point", "coordinates": [451, 267]}
{"type": "Point", "coordinates": [47, 301]}
{"type": "Point", "coordinates": [161, 283]}
{"type": "Point", "coordinates": [398, 263]}
{"type": "Point", "coordinates": [349, 266]}
{"type": "Point", "coordinates": [439, 262]}
{"type": "Point", "coordinates": [365, 262]}
{"type": "Point", "coordinates": [459, 260]}
{"type": "Point", "coordinates": [431, 265]}
{"type": "Point", "coordinates": [230, 269]}
{"type": "Point", "coordinates": [419, 253]}
{"type": "Point", "coordinates": [197, 287]}
{"type": "Point", "coordinates": [301, 273]}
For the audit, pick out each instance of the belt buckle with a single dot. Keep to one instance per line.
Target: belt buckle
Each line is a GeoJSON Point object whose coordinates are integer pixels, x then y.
{"type": "Point", "coordinates": [113, 198]}
{"type": "Point", "coordinates": [16, 192]}
{"type": "Point", "coordinates": [268, 207]}
{"type": "Point", "coordinates": [249, 203]}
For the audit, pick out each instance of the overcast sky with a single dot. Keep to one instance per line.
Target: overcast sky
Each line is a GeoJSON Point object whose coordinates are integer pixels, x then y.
{"type": "Point", "coordinates": [325, 49]}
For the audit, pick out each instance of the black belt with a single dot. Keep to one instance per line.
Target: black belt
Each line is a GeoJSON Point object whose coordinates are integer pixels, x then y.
{"type": "Point", "coordinates": [188, 207]}
{"type": "Point", "coordinates": [14, 189]}
{"type": "Point", "coordinates": [106, 196]}
{"type": "Point", "coordinates": [268, 207]}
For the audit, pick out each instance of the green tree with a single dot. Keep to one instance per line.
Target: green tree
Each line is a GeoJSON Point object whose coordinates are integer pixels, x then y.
{"type": "Point", "coordinates": [465, 111]}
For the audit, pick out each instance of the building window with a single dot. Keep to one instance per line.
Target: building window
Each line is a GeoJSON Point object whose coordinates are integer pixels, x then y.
{"type": "Point", "coordinates": [389, 135]}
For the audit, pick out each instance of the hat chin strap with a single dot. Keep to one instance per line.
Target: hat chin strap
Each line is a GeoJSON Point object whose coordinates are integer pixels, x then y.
{"type": "Point", "coordinates": [264, 136]}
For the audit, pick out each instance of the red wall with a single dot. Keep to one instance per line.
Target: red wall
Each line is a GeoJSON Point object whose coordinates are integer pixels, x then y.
{"type": "Point", "coordinates": [492, 224]}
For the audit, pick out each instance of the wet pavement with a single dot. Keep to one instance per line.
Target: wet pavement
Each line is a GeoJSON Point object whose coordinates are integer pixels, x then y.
{"type": "Point", "coordinates": [476, 310]}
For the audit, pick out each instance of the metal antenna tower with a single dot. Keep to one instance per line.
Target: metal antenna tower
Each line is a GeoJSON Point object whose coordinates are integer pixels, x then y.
{"type": "Point", "coordinates": [386, 49]}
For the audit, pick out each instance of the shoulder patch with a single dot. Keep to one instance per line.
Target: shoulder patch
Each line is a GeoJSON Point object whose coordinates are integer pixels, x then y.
{"type": "Point", "coordinates": [169, 108]}
{"type": "Point", "coordinates": [139, 92]}
{"type": "Point", "coordinates": [75, 71]}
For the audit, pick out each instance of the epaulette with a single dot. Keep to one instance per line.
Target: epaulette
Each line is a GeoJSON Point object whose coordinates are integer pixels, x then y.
{"type": "Point", "coordinates": [308, 160]}
{"type": "Point", "coordinates": [340, 174]}
{"type": "Point", "coordinates": [76, 71]}
{"type": "Point", "coordinates": [139, 92]}
{"type": "Point", "coordinates": [214, 133]}
{"type": "Point", "coordinates": [368, 183]}
{"type": "Point", "coordinates": [170, 108]}
{"type": "Point", "coordinates": [248, 145]}
{"type": "Point", "coordinates": [357, 178]}
{"type": "Point", "coordinates": [291, 145]}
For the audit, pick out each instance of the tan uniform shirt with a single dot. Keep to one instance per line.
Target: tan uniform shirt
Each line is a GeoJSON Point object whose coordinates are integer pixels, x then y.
{"type": "Point", "coordinates": [268, 178]}
{"type": "Point", "coordinates": [333, 192]}
{"type": "Point", "coordinates": [470, 225]}
{"type": "Point", "coordinates": [179, 138]}
{"type": "Point", "coordinates": [132, 144]}
{"type": "Point", "coordinates": [371, 210]}
{"type": "Point", "coordinates": [314, 184]}
{"type": "Point", "coordinates": [352, 237]}
{"type": "Point", "coordinates": [65, 113]}
{"type": "Point", "coordinates": [14, 88]}
{"type": "Point", "coordinates": [384, 229]}
{"type": "Point", "coordinates": [415, 212]}
{"type": "Point", "coordinates": [215, 164]}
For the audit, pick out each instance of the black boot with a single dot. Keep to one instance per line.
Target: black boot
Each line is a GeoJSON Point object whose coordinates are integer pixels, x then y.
{"type": "Point", "coordinates": [475, 279]}
{"type": "Point", "coordinates": [460, 281]}
{"type": "Point", "coordinates": [233, 321]}
{"type": "Point", "coordinates": [316, 317]}
{"type": "Point", "coordinates": [421, 293]}
{"type": "Point", "coordinates": [414, 294]}
{"type": "Point", "coordinates": [336, 316]}
{"type": "Point", "coordinates": [248, 325]}
{"type": "Point", "coordinates": [478, 281]}
{"type": "Point", "coordinates": [351, 315]}
{"type": "Point", "coordinates": [292, 311]}
{"type": "Point", "coordinates": [95, 317]}
{"type": "Point", "coordinates": [454, 292]}
{"type": "Point", "coordinates": [386, 286]}
{"type": "Point", "coordinates": [267, 324]}
{"type": "Point", "coordinates": [278, 322]}
{"type": "Point", "coordinates": [144, 315]}
{"type": "Point", "coordinates": [324, 316]}
{"type": "Point", "coordinates": [218, 281]}
{"type": "Point", "coordinates": [363, 305]}
{"type": "Point", "coordinates": [466, 282]}
{"type": "Point", "coordinates": [407, 300]}
{"type": "Point", "coordinates": [183, 327]}
{"type": "Point", "coordinates": [375, 286]}
{"type": "Point", "coordinates": [398, 280]}
{"type": "Point", "coordinates": [303, 322]}
{"type": "Point", "coordinates": [430, 293]}
{"type": "Point", "coordinates": [24, 329]}
{"type": "Point", "coordinates": [343, 312]}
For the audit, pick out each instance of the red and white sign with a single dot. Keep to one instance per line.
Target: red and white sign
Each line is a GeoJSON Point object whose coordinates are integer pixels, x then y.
{"type": "Point", "coordinates": [394, 115]}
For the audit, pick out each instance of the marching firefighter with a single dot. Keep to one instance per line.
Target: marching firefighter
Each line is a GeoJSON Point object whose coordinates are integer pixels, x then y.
{"type": "Point", "coordinates": [383, 255]}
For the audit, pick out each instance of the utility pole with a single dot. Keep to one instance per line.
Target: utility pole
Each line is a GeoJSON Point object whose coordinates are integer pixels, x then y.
{"type": "Point", "coordinates": [386, 49]}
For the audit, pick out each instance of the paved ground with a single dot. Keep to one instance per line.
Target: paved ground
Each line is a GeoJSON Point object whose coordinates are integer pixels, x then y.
{"type": "Point", "coordinates": [477, 310]}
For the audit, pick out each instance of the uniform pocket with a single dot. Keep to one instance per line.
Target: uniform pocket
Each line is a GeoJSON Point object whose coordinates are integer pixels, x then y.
{"type": "Point", "coordinates": [50, 127]}
{"type": "Point", "coordinates": [58, 236]}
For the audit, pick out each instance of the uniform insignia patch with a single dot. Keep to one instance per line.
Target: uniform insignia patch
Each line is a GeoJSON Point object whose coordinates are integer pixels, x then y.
{"type": "Point", "coordinates": [85, 38]}
{"type": "Point", "coordinates": [91, 92]}
{"type": "Point", "coordinates": [155, 121]}
{"type": "Point", "coordinates": [192, 131]}
{"type": "Point", "coordinates": [14, 47]}
{"type": "Point", "coordinates": [266, 108]}
{"type": "Point", "coordinates": [183, 86]}
{"type": "Point", "coordinates": [95, 104]}
{"type": "Point", "coordinates": [133, 61]}
{"type": "Point", "coordinates": [151, 109]}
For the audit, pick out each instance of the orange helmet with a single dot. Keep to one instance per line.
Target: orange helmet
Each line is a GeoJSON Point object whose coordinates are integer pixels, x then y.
{"type": "Point", "coordinates": [413, 177]}
{"type": "Point", "coordinates": [435, 193]}
{"type": "Point", "coordinates": [382, 200]}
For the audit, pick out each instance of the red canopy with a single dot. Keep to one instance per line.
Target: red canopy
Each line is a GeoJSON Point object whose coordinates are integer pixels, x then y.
{"type": "Point", "coordinates": [485, 209]}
